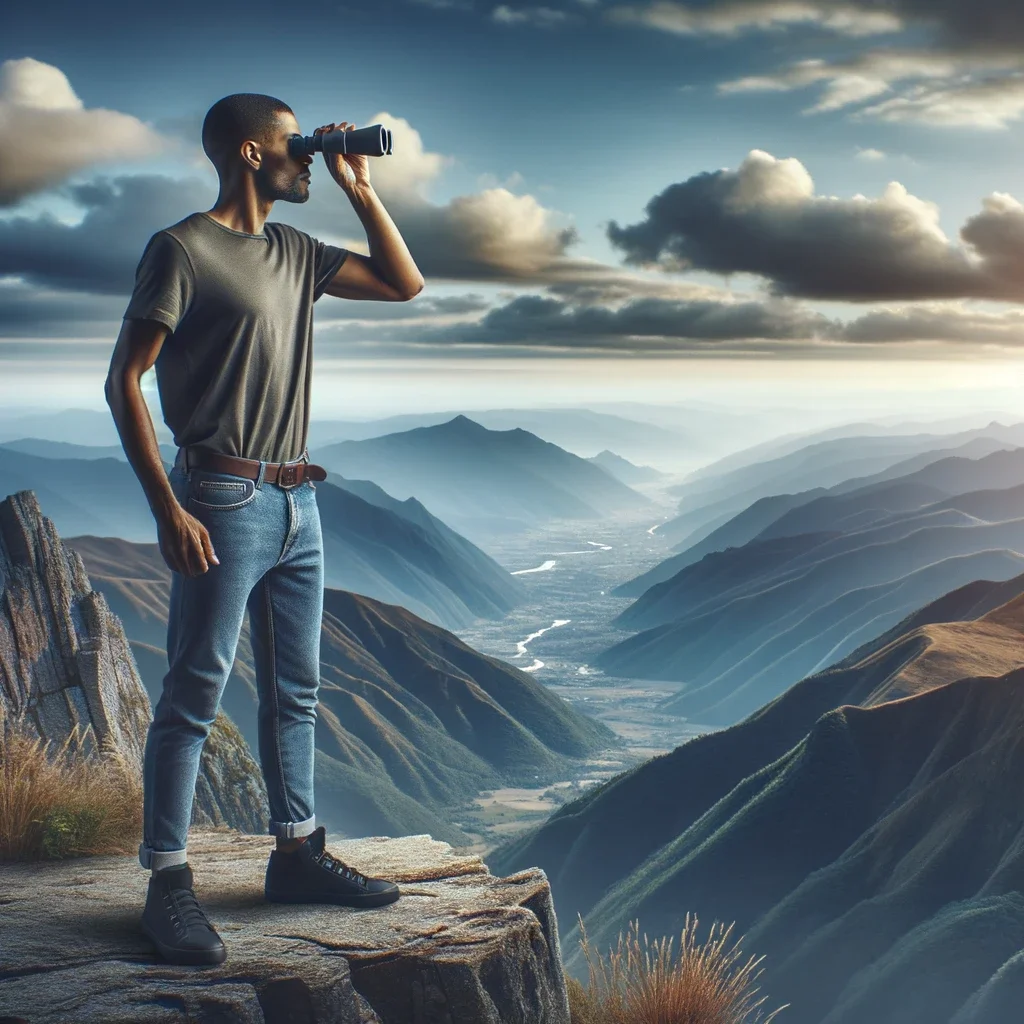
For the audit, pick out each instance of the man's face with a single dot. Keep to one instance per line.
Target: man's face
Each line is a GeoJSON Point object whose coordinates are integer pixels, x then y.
{"type": "Point", "coordinates": [280, 175]}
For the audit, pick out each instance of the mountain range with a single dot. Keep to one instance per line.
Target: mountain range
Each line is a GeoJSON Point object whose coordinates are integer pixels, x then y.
{"type": "Point", "coordinates": [712, 496]}
{"type": "Point", "coordinates": [740, 625]}
{"type": "Point", "coordinates": [863, 830]}
{"type": "Point", "coordinates": [395, 551]}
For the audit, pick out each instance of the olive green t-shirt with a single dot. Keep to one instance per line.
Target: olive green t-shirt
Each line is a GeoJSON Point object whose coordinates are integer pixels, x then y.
{"type": "Point", "coordinates": [234, 373]}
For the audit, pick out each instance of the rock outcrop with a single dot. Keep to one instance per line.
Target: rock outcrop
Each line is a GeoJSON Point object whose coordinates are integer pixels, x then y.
{"type": "Point", "coordinates": [459, 946]}
{"type": "Point", "coordinates": [64, 659]}
{"type": "Point", "coordinates": [65, 662]}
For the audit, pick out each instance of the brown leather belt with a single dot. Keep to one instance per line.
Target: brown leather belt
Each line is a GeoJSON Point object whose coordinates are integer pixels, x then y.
{"type": "Point", "coordinates": [284, 474]}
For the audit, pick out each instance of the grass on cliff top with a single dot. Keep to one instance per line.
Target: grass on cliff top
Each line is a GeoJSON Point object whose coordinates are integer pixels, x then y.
{"type": "Point", "coordinates": [58, 801]}
{"type": "Point", "coordinates": [703, 986]}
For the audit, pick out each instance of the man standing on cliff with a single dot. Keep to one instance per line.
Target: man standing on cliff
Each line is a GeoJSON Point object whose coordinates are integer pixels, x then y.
{"type": "Point", "coordinates": [223, 305]}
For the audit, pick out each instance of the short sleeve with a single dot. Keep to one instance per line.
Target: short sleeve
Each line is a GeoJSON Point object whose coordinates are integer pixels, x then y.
{"type": "Point", "coordinates": [164, 283]}
{"type": "Point", "coordinates": [328, 258]}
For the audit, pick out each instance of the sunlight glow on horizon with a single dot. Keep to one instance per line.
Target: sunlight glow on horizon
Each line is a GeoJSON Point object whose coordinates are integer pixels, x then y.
{"type": "Point", "coordinates": [370, 388]}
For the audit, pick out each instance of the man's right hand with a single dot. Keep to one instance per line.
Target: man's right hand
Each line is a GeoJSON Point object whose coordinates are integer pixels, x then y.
{"type": "Point", "coordinates": [185, 543]}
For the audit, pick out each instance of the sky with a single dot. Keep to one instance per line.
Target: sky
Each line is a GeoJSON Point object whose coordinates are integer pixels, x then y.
{"type": "Point", "coordinates": [741, 201]}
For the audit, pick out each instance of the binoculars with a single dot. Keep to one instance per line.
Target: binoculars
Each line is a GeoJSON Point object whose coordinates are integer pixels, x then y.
{"type": "Point", "coordinates": [372, 141]}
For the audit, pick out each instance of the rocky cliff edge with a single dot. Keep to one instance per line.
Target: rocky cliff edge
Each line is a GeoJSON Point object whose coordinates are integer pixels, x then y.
{"type": "Point", "coordinates": [459, 946]}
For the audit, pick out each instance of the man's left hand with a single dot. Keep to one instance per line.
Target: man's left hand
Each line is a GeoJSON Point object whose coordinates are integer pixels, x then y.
{"type": "Point", "coordinates": [350, 170]}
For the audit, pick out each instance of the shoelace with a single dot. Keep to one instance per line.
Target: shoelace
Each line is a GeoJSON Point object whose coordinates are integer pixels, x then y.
{"type": "Point", "coordinates": [324, 859]}
{"type": "Point", "coordinates": [185, 910]}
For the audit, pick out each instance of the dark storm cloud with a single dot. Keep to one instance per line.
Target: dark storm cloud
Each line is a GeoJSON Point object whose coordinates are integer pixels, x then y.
{"type": "Point", "coordinates": [540, 325]}
{"type": "Point", "coordinates": [942, 323]}
{"type": "Point", "coordinates": [29, 311]}
{"type": "Point", "coordinates": [997, 23]}
{"type": "Point", "coordinates": [765, 219]}
{"type": "Point", "coordinates": [42, 312]}
{"type": "Point", "coordinates": [100, 253]}
{"type": "Point", "coordinates": [541, 321]}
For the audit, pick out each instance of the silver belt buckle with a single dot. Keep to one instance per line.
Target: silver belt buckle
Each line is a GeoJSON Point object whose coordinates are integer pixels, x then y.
{"type": "Point", "coordinates": [288, 475]}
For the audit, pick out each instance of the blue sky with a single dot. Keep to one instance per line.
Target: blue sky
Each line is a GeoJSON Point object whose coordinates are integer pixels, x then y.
{"type": "Point", "coordinates": [637, 199]}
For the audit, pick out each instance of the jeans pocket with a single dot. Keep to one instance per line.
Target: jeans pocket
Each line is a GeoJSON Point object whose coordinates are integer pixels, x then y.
{"type": "Point", "coordinates": [220, 491]}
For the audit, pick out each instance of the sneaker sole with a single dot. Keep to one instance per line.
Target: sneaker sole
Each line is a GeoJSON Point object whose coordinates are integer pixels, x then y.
{"type": "Point", "coordinates": [192, 957]}
{"type": "Point", "coordinates": [370, 899]}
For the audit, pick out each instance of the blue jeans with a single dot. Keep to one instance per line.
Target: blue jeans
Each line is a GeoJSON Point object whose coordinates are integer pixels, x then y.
{"type": "Point", "coordinates": [270, 546]}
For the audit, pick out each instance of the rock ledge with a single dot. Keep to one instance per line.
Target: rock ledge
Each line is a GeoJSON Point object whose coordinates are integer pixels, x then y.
{"type": "Point", "coordinates": [460, 946]}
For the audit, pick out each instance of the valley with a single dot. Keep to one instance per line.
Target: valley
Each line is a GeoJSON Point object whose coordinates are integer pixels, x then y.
{"type": "Point", "coordinates": [570, 569]}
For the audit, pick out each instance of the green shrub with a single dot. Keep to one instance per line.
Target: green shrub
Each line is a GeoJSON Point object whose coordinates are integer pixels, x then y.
{"type": "Point", "coordinates": [70, 831]}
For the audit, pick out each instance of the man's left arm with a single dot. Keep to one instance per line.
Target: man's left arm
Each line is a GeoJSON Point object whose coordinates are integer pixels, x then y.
{"type": "Point", "coordinates": [389, 273]}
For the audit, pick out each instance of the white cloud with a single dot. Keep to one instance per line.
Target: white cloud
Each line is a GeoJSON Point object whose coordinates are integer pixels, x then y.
{"type": "Point", "coordinates": [735, 16]}
{"type": "Point", "coordinates": [541, 16]}
{"type": "Point", "coordinates": [992, 103]}
{"type": "Point", "coordinates": [47, 134]}
{"type": "Point", "coordinates": [870, 155]}
{"type": "Point", "coordinates": [411, 167]}
{"type": "Point", "coordinates": [844, 90]}
{"type": "Point", "coordinates": [863, 76]}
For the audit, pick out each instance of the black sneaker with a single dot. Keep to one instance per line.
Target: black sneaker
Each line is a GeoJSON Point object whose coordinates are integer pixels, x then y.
{"type": "Point", "coordinates": [312, 875]}
{"type": "Point", "coordinates": [175, 923]}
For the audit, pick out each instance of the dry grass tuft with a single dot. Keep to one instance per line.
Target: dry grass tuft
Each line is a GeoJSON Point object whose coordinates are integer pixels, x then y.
{"type": "Point", "coordinates": [60, 801]}
{"type": "Point", "coordinates": [704, 986]}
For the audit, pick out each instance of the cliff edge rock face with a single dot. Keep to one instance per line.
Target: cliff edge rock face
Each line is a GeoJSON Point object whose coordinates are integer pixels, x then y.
{"type": "Point", "coordinates": [459, 946]}
{"type": "Point", "coordinates": [64, 659]}
{"type": "Point", "coordinates": [65, 662]}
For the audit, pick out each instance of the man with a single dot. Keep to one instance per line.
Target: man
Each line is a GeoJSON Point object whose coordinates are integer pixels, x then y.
{"type": "Point", "coordinates": [223, 305]}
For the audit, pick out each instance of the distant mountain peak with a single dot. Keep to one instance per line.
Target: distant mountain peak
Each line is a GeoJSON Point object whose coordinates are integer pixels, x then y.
{"type": "Point", "coordinates": [464, 423]}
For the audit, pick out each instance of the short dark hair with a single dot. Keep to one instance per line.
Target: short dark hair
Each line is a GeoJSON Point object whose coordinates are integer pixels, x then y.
{"type": "Point", "coordinates": [235, 118]}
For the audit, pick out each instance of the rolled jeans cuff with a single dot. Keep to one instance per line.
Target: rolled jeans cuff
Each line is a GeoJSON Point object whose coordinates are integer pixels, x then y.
{"type": "Point", "coordinates": [292, 829]}
{"type": "Point", "coordinates": [157, 859]}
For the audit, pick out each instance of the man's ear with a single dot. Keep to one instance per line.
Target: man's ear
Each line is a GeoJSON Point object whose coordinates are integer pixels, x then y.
{"type": "Point", "coordinates": [251, 155]}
